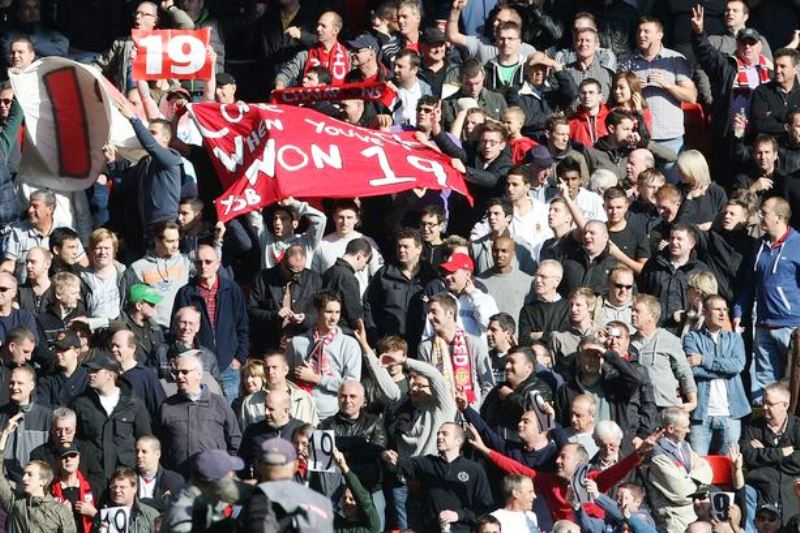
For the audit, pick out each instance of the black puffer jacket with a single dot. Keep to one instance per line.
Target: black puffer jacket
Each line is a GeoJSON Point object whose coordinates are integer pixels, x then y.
{"type": "Point", "coordinates": [503, 414]}
{"type": "Point", "coordinates": [361, 440]}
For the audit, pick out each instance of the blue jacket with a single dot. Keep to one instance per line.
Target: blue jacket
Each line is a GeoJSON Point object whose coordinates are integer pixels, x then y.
{"type": "Point", "coordinates": [231, 335]}
{"type": "Point", "coordinates": [775, 278]}
{"type": "Point", "coordinates": [725, 360]}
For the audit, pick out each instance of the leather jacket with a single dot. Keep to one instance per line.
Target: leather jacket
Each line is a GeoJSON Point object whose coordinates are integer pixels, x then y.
{"type": "Point", "coordinates": [361, 440]}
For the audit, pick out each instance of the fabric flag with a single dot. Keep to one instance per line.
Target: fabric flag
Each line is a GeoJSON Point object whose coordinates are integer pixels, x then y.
{"type": "Point", "coordinates": [371, 91]}
{"type": "Point", "coordinates": [264, 153]}
{"type": "Point", "coordinates": [69, 117]}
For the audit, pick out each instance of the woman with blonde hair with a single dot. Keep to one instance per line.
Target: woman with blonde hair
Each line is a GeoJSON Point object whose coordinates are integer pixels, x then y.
{"type": "Point", "coordinates": [700, 286]}
{"type": "Point", "coordinates": [704, 198]}
{"type": "Point", "coordinates": [251, 387]}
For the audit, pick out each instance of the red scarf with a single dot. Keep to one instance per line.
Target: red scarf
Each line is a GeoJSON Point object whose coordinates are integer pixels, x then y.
{"type": "Point", "coordinates": [455, 364]}
{"type": "Point", "coordinates": [318, 359]}
{"type": "Point", "coordinates": [337, 61]}
{"type": "Point", "coordinates": [84, 494]}
{"type": "Point", "coordinates": [741, 76]}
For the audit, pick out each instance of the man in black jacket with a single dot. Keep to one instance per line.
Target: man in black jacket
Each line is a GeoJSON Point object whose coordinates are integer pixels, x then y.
{"type": "Point", "coordinates": [361, 437]}
{"type": "Point", "coordinates": [156, 483]}
{"type": "Point", "coordinates": [341, 278]}
{"type": "Point", "coordinates": [62, 434]}
{"type": "Point", "coordinates": [281, 300]}
{"type": "Point", "coordinates": [772, 101]}
{"type": "Point", "coordinates": [771, 449]}
{"type": "Point", "coordinates": [504, 405]}
{"type": "Point", "coordinates": [485, 164]}
{"type": "Point", "coordinates": [595, 368]}
{"type": "Point", "coordinates": [666, 275]}
{"type": "Point", "coordinates": [589, 265]}
{"type": "Point", "coordinates": [107, 439]}
{"type": "Point", "coordinates": [457, 489]}
{"type": "Point", "coordinates": [278, 422]}
{"type": "Point", "coordinates": [393, 303]}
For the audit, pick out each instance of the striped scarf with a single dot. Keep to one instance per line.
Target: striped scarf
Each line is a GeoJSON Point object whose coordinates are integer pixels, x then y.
{"type": "Point", "coordinates": [337, 61]}
{"type": "Point", "coordinates": [456, 367]}
{"type": "Point", "coordinates": [740, 82]}
{"type": "Point", "coordinates": [318, 359]}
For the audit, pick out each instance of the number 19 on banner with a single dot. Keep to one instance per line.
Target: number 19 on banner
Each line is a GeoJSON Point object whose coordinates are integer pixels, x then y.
{"type": "Point", "coordinates": [320, 449]}
{"type": "Point", "coordinates": [173, 54]}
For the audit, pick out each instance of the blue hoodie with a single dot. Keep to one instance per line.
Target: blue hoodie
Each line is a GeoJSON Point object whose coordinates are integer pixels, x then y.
{"type": "Point", "coordinates": [775, 278]}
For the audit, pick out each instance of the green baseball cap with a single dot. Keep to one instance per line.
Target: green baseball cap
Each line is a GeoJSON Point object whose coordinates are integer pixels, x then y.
{"type": "Point", "coordinates": [143, 293]}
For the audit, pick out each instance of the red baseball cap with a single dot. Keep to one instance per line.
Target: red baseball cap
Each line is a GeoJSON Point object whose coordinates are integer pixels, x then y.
{"type": "Point", "coordinates": [458, 261]}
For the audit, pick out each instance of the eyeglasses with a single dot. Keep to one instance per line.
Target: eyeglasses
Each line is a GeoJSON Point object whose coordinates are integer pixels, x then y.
{"type": "Point", "coordinates": [425, 110]}
{"type": "Point", "coordinates": [622, 286]}
{"type": "Point", "coordinates": [6, 101]}
{"type": "Point", "coordinates": [6, 289]}
{"type": "Point", "coordinates": [429, 224]}
{"type": "Point", "coordinates": [490, 142]}
{"type": "Point", "coordinates": [69, 456]}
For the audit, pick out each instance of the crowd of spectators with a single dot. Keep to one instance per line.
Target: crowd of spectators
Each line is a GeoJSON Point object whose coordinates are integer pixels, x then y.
{"type": "Point", "coordinates": [605, 341]}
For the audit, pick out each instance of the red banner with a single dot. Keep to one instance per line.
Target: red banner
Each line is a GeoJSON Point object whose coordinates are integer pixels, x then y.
{"type": "Point", "coordinates": [174, 54]}
{"type": "Point", "coordinates": [371, 91]}
{"type": "Point", "coordinates": [264, 153]}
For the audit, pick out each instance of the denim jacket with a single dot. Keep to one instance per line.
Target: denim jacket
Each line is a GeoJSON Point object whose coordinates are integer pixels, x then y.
{"type": "Point", "coordinates": [723, 360]}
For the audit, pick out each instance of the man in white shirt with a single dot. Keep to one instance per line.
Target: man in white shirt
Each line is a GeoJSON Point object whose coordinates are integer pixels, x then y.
{"type": "Point", "coordinates": [409, 87]}
{"type": "Point", "coordinates": [346, 216]}
{"type": "Point", "coordinates": [517, 515]}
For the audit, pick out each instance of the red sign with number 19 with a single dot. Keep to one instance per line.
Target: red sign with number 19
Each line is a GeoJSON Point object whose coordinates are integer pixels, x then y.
{"type": "Point", "coordinates": [172, 54]}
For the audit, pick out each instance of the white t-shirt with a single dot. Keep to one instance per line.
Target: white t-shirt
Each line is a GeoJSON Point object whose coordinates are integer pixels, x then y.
{"type": "Point", "coordinates": [718, 391]}
{"type": "Point", "coordinates": [109, 402]}
{"type": "Point", "coordinates": [532, 228]}
{"type": "Point", "coordinates": [517, 521]}
{"type": "Point", "coordinates": [591, 204]}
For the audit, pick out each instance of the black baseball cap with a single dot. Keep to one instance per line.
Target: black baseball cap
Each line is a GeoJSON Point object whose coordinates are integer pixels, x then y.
{"type": "Point", "coordinates": [102, 361]}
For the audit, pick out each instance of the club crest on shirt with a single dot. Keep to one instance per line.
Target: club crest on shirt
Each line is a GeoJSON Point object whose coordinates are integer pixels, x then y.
{"type": "Point", "coordinates": [463, 477]}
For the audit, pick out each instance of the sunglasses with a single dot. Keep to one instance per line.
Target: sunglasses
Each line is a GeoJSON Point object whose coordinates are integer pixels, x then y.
{"type": "Point", "coordinates": [622, 286]}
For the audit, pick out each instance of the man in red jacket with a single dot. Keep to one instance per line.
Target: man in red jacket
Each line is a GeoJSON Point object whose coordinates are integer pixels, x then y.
{"type": "Point", "coordinates": [588, 123]}
{"type": "Point", "coordinates": [553, 485]}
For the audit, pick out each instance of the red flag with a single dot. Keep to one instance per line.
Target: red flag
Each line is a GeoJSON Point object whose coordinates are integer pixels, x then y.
{"type": "Point", "coordinates": [264, 153]}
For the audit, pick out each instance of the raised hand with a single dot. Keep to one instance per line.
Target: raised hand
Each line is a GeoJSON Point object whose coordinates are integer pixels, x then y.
{"type": "Point", "coordinates": [697, 19]}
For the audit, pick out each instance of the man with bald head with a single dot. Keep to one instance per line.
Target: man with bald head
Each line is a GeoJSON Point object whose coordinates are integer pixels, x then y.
{"type": "Point", "coordinates": [639, 160]}
{"type": "Point", "coordinates": [589, 265]}
{"type": "Point", "coordinates": [508, 284]}
{"type": "Point", "coordinates": [10, 316]}
{"type": "Point", "coordinates": [328, 53]}
{"type": "Point", "coordinates": [278, 422]}
{"type": "Point", "coordinates": [35, 294]}
{"type": "Point", "coordinates": [224, 325]}
{"type": "Point", "coordinates": [361, 437]}
{"type": "Point", "coordinates": [143, 380]}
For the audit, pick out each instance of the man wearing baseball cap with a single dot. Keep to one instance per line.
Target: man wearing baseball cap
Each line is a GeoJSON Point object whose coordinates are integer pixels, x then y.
{"type": "Point", "coordinates": [475, 306]}
{"type": "Point", "coordinates": [225, 91]}
{"type": "Point", "coordinates": [104, 405]}
{"type": "Point", "coordinates": [207, 501]}
{"type": "Point", "coordinates": [69, 378]}
{"type": "Point", "coordinates": [279, 494]}
{"type": "Point", "coordinates": [733, 78]}
{"type": "Point", "coordinates": [365, 58]}
{"type": "Point", "coordinates": [139, 317]}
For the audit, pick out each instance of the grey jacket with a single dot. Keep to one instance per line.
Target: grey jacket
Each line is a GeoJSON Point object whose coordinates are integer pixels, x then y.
{"type": "Point", "coordinates": [27, 514]}
{"type": "Point", "coordinates": [187, 427]}
{"type": "Point", "coordinates": [32, 432]}
{"type": "Point", "coordinates": [663, 356]}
